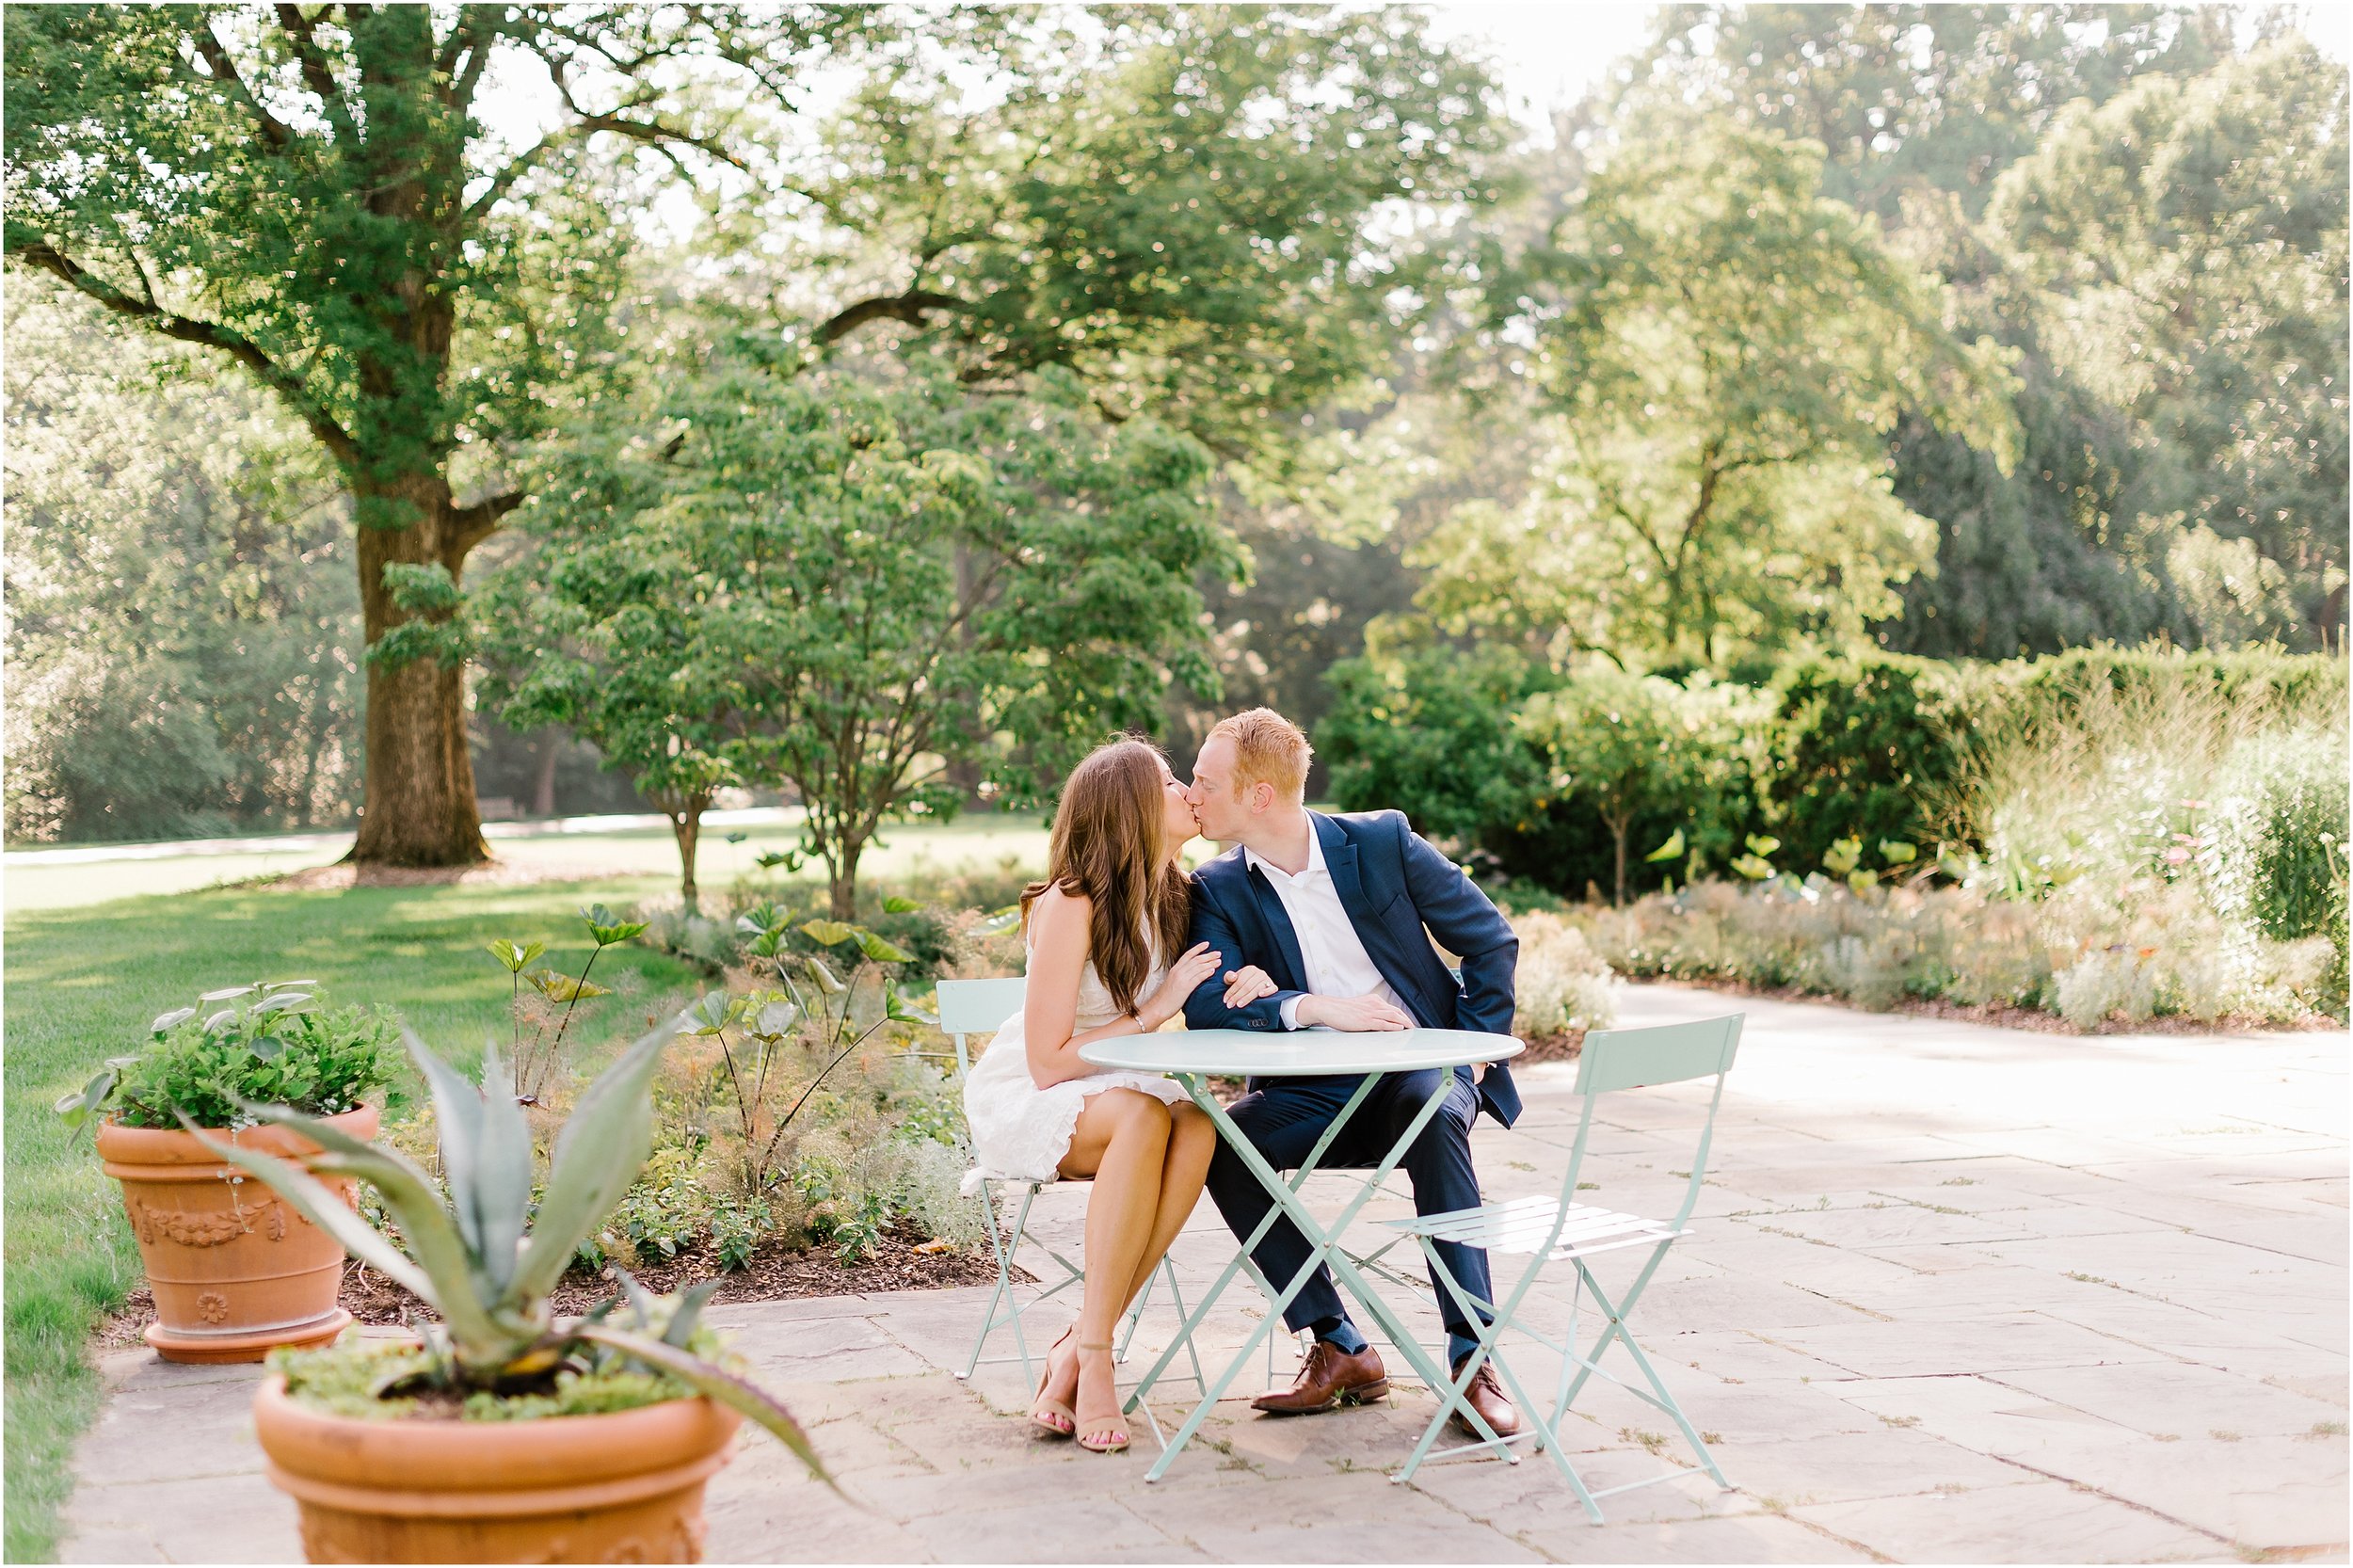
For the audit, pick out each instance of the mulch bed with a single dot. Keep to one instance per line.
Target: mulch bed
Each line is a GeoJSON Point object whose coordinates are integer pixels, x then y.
{"type": "Point", "coordinates": [897, 1262]}
{"type": "Point", "coordinates": [2003, 1015]}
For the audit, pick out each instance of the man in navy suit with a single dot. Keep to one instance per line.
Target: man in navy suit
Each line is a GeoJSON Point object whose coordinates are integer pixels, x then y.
{"type": "Point", "coordinates": [1337, 914]}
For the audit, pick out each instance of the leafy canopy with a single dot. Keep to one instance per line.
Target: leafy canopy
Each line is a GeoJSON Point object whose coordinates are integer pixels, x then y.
{"type": "Point", "coordinates": [1725, 349]}
{"type": "Point", "coordinates": [848, 588]}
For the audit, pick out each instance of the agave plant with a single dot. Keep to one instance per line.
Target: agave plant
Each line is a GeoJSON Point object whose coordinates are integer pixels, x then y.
{"type": "Point", "coordinates": [479, 1258]}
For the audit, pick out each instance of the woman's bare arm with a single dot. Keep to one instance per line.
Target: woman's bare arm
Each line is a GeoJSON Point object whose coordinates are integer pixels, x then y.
{"type": "Point", "coordinates": [1058, 956]}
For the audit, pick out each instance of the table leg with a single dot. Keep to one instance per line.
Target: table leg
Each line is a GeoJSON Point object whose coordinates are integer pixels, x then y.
{"type": "Point", "coordinates": [1198, 1090]}
{"type": "Point", "coordinates": [1324, 1245]}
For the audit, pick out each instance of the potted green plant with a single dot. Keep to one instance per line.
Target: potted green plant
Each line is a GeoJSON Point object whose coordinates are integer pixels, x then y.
{"type": "Point", "coordinates": [502, 1433]}
{"type": "Point", "coordinates": [234, 1271]}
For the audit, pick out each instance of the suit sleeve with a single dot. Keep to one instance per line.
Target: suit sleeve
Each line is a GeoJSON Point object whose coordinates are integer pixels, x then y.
{"type": "Point", "coordinates": [1465, 922]}
{"type": "Point", "coordinates": [1206, 1008]}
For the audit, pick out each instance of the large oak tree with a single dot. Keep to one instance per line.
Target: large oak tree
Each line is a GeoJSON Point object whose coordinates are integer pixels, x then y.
{"type": "Point", "coordinates": [313, 191]}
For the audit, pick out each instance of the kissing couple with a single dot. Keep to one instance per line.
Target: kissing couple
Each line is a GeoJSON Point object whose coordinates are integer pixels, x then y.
{"type": "Point", "coordinates": [1307, 921]}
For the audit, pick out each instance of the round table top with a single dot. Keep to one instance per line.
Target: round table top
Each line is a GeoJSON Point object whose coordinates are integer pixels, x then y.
{"type": "Point", "coordinates": [1299, 1053]}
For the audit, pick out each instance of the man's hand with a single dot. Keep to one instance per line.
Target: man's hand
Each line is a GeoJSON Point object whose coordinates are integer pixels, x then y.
{"type": "Point", "coordinates": [1353, 1015]}
{"type": "Point", "coordinates": [1247, 984]}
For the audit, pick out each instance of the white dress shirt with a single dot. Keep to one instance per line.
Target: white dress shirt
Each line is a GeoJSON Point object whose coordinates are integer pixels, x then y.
{"type": "Point", "coordinates": [1329, 949]}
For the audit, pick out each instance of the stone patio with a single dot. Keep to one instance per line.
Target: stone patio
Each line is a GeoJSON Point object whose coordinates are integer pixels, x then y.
{"type": "Point", "coordinates": [1956, 1294]}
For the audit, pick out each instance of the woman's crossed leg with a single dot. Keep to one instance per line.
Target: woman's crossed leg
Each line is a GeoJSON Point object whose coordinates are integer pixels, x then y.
{"type": "Point", "coordinates": [1148, 1160]}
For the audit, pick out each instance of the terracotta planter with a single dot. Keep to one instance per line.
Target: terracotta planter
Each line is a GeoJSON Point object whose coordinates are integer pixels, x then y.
{"type": "Point", "coordinates": [622, 1488]}
{"type": "Point", "coordinates": [234, 1269]}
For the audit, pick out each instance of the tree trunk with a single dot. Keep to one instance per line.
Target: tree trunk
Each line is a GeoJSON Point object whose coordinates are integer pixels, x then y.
{"type": "Point", "coordinates": [845, 868]}
{"type": "Point", "coordinates": [1619, 830]}
{"type": "Point", "coordinates": [543, 792]}
{"type": "Point", "coordinates": [420, 805]}
{"type": "Point", "coordinates": [686, 825]}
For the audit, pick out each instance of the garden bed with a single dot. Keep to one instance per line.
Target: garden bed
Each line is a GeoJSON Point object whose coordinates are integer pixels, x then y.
{"type": "Point", "coordinates": [1997, 1015]}
{"type": "Point", "coordinates": [897, 1262]}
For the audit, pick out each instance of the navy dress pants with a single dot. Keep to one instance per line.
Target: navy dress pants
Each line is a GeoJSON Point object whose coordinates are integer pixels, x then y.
{"type": "Point", "coordinates": [1283, 1120]}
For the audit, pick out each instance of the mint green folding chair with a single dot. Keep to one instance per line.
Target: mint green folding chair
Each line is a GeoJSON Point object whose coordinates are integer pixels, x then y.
{"type": "Point", "coordinates": [968, 1007]}
{"type": "Point", "coordinates": [1557, 1230]}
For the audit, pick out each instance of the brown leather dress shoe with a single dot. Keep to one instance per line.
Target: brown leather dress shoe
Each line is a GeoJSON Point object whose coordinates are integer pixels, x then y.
{"type": "Point", "coordinates": [1330, 1377]}
{"type": "Point", "coordinates": [1487, 1396]}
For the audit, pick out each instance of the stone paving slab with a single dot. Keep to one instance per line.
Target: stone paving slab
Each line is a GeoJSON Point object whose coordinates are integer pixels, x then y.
{"type": "Point", "coordinates": [1954, 1294]}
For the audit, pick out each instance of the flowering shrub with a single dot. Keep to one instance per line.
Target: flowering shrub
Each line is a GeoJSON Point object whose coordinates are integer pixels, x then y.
{"type": "Point", "coordinates": [1562, 988]}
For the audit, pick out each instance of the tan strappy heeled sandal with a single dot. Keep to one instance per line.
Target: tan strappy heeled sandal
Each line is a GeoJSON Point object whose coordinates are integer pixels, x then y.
{"type": "Point", "coordinates": [1102, 1434]}
{"type": "Point", "coordinates": [1052, 1416]}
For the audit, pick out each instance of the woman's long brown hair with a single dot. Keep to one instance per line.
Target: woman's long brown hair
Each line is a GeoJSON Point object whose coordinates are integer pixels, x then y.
{"type": "Point", "coordinates": [1109, 845]}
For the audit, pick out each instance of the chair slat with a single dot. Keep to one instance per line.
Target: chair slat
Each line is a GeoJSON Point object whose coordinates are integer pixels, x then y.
{"type": "Point", "coordinates": [979, 1006]}
{"type": "Point", "coordinates": [1614, 1059]}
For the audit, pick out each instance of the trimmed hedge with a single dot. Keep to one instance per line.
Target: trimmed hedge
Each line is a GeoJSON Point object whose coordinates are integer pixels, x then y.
{"type": "Point", "coordinates": [1869, 748]}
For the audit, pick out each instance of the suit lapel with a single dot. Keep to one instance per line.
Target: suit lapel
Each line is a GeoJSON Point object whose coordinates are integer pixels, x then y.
{"type": "Point", "coordinates": [1339, 859]}
{"type": "Point", "coordinates": [1277, 922]}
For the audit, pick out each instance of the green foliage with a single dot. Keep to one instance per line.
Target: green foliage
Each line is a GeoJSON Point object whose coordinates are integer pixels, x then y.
{"type": "Point", "coordinates": [2191, 236]}
{"type": "Point", "coordinates": [1429, 731]}
{"type": "Point", "coordinates": [1727, 350]}
{"type": "Point", "coordinates": [847, 589]}
{"type": "Point", "coordinates": [350, 1382]}
{"type": "Point", "coordinates": [183, 629]}
{"type": "Point", "coordinates": [1867, 746]}
{"type": "Point", "coordinates": [1976, 87]}
{"type": "Point", "coordinates": [1461, 742]}
{"type": "Point", "coordinates": [1855, 766]}
{"type": "Point", "coordinates": [1613, 749]}
{"type": "Point", "coordinates": [205, 1061]}
{"type": "Point", "coordinates": [1208, 213]}
{"type": "Point", "coordinates": [536, 1060]}
{"type": "Point", "coordinates": [320, 1064]}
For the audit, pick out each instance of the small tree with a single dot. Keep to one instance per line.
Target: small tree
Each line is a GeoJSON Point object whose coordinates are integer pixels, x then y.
{"type": "Point", "coordinates": [1613, 741]}
{"type": "Point", "coordinates": [807, 580]}
{"type": "Point", "coordinates": [605, 646]}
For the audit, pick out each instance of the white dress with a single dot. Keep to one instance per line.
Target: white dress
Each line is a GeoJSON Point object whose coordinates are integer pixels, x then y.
{"type": "Point", "coordinates": [1022, 1132]}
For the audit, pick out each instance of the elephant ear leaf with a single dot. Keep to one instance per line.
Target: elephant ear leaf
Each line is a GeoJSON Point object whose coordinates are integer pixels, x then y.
{"type": "Point", "coordinates": [881, 951]}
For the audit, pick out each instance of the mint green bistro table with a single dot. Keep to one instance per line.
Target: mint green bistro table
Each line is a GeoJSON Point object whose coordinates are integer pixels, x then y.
{"type": "Point", "coordinates": [1191, 1058]}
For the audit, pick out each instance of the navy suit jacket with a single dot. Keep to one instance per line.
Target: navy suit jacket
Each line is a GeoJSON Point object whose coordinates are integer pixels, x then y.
{"type": "Point", "coordinates": [1400, 892]}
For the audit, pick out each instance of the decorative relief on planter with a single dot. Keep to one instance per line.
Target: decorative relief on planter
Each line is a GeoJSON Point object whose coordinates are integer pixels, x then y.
{"type": "Point", "coordinates": [210, 1227]}
{"type": "Point", "coordinates": [213, 1307]}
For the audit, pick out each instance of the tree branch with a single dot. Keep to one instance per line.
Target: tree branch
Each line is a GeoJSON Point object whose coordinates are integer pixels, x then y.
{"type": "Point", "coordinates": [317, 73]}
{"type": "Point", "coordinates": [910, 307]}
{"type": "Point", "coordinates": [470, 40]}
{"type": "Point", "coordinates": [480, 521]}
{"type": "Point", "coordinates": [655, 134]}
{"type": "Point", "coordinates": [274, 130]}
{"type": "Point", "coordinates": [210, 334]}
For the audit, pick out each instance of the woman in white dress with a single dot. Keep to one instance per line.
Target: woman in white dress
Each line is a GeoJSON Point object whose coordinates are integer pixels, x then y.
{"type": "Point", "coordinates": [1099, 930]}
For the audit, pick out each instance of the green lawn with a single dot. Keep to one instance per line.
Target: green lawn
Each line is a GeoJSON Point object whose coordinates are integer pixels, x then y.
{"type": "Point", "coordinates": [970, 842]}
{"type": "Point", "coordinates": [82, 982]}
